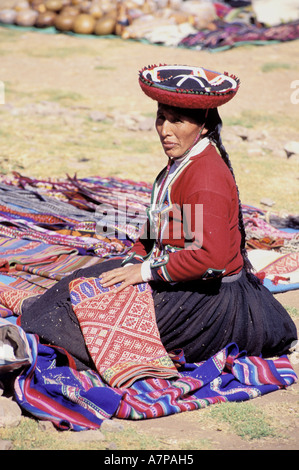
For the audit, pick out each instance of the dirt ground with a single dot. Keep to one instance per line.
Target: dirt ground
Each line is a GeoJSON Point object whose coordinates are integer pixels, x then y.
{"type": "Point", "coordinates": [30, 71]}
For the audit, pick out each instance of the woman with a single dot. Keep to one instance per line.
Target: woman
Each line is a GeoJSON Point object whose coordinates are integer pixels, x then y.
{"type": "Point", "coordinates": [192, 248]}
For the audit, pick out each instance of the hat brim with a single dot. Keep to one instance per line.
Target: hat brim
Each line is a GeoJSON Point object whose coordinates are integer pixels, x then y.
{"type": "Point", "coordinates": [188, 87]}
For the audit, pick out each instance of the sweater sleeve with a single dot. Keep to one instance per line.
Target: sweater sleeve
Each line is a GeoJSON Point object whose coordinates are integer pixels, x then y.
{"type": "Point", "coordinates": [206, 241]}
{"type": "Point", "coordinates": [142, 246]}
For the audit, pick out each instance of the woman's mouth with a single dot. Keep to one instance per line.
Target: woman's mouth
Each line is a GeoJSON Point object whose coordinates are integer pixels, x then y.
{"type": "Point", "coordinates": [169, 145]}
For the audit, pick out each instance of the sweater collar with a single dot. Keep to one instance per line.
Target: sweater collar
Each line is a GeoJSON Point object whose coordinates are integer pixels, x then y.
{"type": "Point", "coordinates": [196, 149]}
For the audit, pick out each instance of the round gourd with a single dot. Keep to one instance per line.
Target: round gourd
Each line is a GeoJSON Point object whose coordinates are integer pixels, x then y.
{"type": "Point", "coordinates": [64, 22]}
{"type": "Point", "coordinates": [84, 24]}
{"type": "Point", "coordinates": [8, 16]}
{"type": "Point", "coordinates": [38, 5]}
{"type": "Point", "coordinates": [53, 5]}
{"type": "Point", "coordinates": [35, 3]}
{"type": "Point", "coordinates": [85, 6]}
{"type": "Point", "coordinates": [70, 11]}
{"type": "Point", "coordinates": [22, 5]}
{"type": "Point", "coordinates": [26, 17]}
{"type": "Point", "coordinates": [96, 11]}
{"type": "Point", "coordinates": [105, 25]}
{"type": "Point", "coordinates": [45, 19]}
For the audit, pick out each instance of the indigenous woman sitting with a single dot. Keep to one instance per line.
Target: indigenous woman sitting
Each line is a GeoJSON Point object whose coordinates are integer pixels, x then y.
{"type": "Point", "coordinates": [192, 248]}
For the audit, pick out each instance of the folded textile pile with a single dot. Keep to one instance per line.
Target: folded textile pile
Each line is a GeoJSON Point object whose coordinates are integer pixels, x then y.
{"type": "Point", "coordinates": [227, 35]}
{"type": "Point", "coordinates": [120, 331]}
{"type": "Point", "coordinates": [273, 252]}
{"type": "Point", "coordinates": [37, 265]}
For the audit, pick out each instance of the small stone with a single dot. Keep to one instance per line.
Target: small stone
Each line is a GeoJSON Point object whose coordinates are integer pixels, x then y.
{"type": "Point", "coordinates": [97, 116]}
{"type": "Point", "coordinates": [267, 202]}
{"type": "Point", "coordinates": [241, 132]}
{"type": "Point", "coordinates": [146, 124]}
{"type": "Point", "coordinates": [111, 446]}
{"type": "Point", "coordinates": [86, 436]}
{"type": "Point", "coordinates": [291, 148]}
{"type": "Point", "coordinates": [5, 444]}
{"type": "Point", "coordinates": [111, 426]}
{"type": "Point", "coordinates": [46, 426]}
{"type": "Point", "coordinates": [10, 413]}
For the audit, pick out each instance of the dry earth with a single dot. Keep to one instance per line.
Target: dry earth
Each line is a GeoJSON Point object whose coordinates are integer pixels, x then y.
{"type": "Point", "coordinates": [30, 64]}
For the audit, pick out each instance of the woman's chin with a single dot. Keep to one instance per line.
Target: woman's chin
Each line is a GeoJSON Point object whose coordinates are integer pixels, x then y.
{"type": "Point", "coordinates": [172, 153]}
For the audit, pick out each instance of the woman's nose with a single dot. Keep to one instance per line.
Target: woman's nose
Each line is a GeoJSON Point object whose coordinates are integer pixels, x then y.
{"type": "Point", "coordinates": [166, 128]}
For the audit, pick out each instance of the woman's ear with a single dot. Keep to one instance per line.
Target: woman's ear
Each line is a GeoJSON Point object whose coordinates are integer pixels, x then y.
{"type": "Point", "coordinates": [204, 131]}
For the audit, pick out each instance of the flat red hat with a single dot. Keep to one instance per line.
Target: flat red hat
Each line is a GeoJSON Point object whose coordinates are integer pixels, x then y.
{"type": "Point", "coordinates": [188, 87]}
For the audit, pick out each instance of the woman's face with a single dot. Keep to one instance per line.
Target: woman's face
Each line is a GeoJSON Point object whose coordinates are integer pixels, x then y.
{"type": "Point", "coordinates": [176, 130]}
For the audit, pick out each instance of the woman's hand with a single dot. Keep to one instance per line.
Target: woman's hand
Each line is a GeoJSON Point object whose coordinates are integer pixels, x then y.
{"type": "Point", "coordinates": [127, 275]}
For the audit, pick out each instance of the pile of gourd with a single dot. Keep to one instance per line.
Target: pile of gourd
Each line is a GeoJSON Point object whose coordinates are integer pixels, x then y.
{"type": "Point", "coordinates": [101, 17]}
{"type": "Point", "coordinates": [127, 18]}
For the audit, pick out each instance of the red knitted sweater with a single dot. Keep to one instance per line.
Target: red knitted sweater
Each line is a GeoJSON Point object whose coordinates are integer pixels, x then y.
{"type": "Point", "coordinates": [200, 223]}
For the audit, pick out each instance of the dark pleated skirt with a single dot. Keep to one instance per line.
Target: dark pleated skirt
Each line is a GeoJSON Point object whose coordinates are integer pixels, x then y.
{"type": "Point", "coordinates": [200, 317]}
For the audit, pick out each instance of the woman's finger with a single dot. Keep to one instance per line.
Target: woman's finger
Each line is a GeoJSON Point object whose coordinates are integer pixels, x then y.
{"type": "Point", "coordinates": [126, 275]}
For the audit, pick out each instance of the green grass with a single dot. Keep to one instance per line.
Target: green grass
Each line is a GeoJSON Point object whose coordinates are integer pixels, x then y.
{"type": "Point", "coordinates": [261, 120]}
{"type": "Point", "coordinates": [293, 311]}
{"type": "Point", "coordinates": [259, 176]}
{"type": "Point", "coordinates": [54, 145]}
{"type": "Point", "coordinates": [60, 52]}
{"type": "Point", "coordinates": [103, 67]}
{"type": "Point", "coordinates": [62, 96]}
{"type": "Point", "coordinates": [245, 419]}
{"type": "Point", "coordinates": [29, 436]}
{"type": "Point", "coordinates": [273, 66]}
{"type": "Point", "coordinates": [9, 35]}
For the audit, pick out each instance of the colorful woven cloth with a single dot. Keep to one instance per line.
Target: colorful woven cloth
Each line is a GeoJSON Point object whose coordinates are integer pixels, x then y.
{"type": "Point", "coordinates": [37, 266]}
{"type": "Point", "coordinates": [227, 35]}
{"type": "Point", "coordinates": [227, 376]}
{"type": "Point", "coordinates": [52, 389]}
{"type": "Point", "coordinates": [278, 271]}
{"type": "Point", "coordinates": [120, 332]}
{"type": "Point", "coordinates": [11, 299]}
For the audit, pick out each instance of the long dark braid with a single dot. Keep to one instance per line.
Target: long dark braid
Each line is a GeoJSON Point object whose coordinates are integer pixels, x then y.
{"type": "Point", "coordinates": [214, 126]}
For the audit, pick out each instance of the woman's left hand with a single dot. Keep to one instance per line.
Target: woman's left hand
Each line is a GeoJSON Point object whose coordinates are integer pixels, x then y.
{"type": "Point", "coordinates": [127, 275]}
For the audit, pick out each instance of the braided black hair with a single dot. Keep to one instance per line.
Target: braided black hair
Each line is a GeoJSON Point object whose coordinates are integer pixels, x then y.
{"type": "Point", "coordinates": [213, 123]}
{"type": "Point", "coordinates": [214, 126]}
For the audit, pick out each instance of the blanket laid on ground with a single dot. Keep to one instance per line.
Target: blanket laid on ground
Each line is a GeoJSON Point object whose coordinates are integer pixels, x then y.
{"type": "Point", "coordinates": [227, 35]}
{"type": "Point", "coordinates": [52, 389]}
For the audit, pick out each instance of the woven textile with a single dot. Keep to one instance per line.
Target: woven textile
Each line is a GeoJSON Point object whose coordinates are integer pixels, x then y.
{"type": "Point", "coordinates": [228, 376]}
{"type": "Point", "coordinates": [120, 332]}
{"type": "Point", "coordinates": [11, 299]}
{"type": "Point", "coordinates": [52, 389]}
{"type": "Point", "coordinates": [227, 35]}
